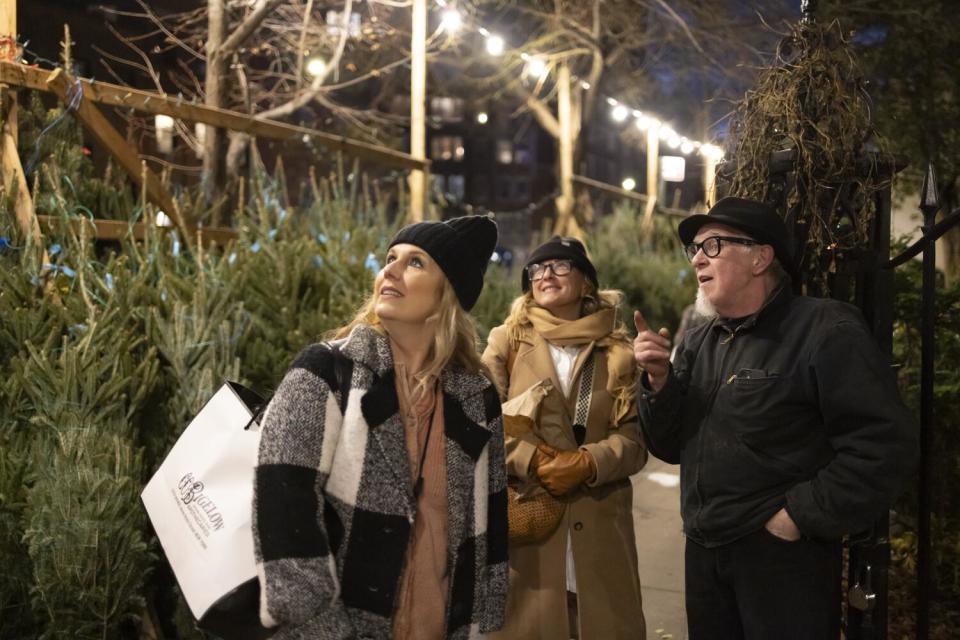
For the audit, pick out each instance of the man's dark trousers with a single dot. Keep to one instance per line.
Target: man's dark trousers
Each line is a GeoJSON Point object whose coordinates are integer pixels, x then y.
{"type": "Point", "coordinates": [761, 587]}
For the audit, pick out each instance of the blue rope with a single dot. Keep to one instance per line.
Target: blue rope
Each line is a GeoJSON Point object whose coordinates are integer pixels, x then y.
{"type": "Point", "coordinates": [74, 97]}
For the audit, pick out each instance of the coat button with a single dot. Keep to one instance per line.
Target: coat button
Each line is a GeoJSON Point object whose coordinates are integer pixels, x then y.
{"type": "Point", "coordinates": [577, 526]}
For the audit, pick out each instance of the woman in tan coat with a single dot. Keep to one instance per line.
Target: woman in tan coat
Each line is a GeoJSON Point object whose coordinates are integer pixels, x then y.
{"type": "Point", "coordinates": [562, 355]}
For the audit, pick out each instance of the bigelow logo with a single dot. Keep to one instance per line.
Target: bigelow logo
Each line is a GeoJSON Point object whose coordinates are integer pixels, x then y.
{"type": "Point", "coordinates": [191, 492]}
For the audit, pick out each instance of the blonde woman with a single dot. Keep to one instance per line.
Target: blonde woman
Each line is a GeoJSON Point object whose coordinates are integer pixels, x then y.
{"type": "Point", "coordinates": [380, 507]}
{"type": "Point", "coordinates": [563, 349]}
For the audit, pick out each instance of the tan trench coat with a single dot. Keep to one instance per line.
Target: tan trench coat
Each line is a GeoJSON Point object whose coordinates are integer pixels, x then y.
{"type": "Point", "coordinates": [598, 519]}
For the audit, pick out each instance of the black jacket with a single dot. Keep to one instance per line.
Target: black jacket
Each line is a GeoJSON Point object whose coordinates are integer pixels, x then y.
{"type": "Point", "coordinates": [794, 406]}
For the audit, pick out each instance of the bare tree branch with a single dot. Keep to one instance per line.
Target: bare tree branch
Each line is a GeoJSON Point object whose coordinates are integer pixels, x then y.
{"type": "Point", "coordinates": [246, 28]}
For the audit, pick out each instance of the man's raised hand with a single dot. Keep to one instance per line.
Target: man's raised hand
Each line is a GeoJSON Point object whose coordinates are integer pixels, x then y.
{"type": "Point", "coordinates": [652, 351]}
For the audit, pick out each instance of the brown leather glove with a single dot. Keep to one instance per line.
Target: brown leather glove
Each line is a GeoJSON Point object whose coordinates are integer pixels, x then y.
{"type": "Point", "coordinates": [543, 454]}
{"type": "Point", "coordinates": [564, 471]}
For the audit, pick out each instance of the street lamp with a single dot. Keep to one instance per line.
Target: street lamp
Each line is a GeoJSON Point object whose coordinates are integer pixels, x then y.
{"type": "Point", "coordinates": [629, 184]}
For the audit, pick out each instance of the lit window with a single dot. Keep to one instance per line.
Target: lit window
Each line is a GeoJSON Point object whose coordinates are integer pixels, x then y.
{"type": "Point", "coordinates": [447, 148]}
{"type": "Point", "coordinates": [504, 151]}
{"type": "Point", "coordinates": [446, 108]}
{"type": "Point", "coordinates": [335, 20]}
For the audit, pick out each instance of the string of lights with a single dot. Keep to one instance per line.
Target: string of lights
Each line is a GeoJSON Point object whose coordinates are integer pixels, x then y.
{"type": "Point", "coordinates": [452, 21]}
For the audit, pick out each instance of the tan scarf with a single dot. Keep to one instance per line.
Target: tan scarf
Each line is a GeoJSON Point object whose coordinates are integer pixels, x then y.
{"type": "Point", "coordinates": [567, 333]}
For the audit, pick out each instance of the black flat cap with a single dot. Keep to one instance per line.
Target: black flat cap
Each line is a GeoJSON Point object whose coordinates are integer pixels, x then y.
{"type": "Point", "coordinates": [756, 219]}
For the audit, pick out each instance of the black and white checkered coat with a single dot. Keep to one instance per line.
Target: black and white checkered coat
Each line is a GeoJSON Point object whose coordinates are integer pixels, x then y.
{"type": "Point", "coordinates": [334, 505]}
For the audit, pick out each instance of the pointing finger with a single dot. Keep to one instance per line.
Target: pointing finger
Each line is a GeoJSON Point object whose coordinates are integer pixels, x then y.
{"type": "Point", "coordinates": [639, 322]}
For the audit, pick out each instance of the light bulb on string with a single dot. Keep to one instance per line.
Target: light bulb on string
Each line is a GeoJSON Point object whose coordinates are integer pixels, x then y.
{"type": "Point", "coordinates": [536, 67]}
{"type": "Point", "coordinates": [451, 20]}
{"type": "Point", "coordinates": [316, 67]}
{"type": "Point", "coordinates": [495, 45]}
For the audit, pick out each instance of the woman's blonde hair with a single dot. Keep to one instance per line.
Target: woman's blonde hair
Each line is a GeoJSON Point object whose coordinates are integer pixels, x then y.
{"type": "Point", "coordinates": [454, 340]}
{"type": "Point", "coordinates": [593, 300]}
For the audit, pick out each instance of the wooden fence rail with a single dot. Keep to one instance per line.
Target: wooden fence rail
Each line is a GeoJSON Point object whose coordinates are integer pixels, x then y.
{"type": "Point", "coordinates": [102, 93]}
{"type": "Point", "coordinates": [93, 93]}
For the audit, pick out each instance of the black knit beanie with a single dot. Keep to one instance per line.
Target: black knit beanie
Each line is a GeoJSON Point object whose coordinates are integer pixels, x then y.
{"type": "Point", "coordinates": [460, 246]}
{"type": "Point", "coordinates": [559, 248]}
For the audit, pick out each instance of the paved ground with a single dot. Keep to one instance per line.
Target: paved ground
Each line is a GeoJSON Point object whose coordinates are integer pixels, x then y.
{"type": "Point", "coordinates": [656, 516]}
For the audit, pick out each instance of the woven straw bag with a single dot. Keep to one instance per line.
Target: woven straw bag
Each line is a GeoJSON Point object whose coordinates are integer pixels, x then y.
{"type": "Point", "coordinates": [533, 518]}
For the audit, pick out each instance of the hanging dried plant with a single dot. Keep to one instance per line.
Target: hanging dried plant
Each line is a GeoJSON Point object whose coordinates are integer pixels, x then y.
{"type": "Point", "coordinates": [812, 104]}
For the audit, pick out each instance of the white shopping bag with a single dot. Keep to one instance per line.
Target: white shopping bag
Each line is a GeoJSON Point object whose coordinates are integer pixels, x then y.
{"type": "Point", "coordinates": [200, 502]}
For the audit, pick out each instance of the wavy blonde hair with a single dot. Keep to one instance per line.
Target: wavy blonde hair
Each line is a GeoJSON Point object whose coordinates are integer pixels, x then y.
{"type": "Point", "coordinates": [454, 341]}
{"type": "Point", "coordinates": [593, 300]}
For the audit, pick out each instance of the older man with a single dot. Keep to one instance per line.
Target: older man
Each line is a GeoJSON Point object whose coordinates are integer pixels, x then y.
{"type": "Point", "coordinates": [785, 419]}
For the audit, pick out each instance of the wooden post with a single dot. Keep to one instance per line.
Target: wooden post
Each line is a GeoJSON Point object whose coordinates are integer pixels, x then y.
{"type": "Point", "coordinates": [12, 171]}
{"type": "Point", "coordinates": [709, 180]}
{"type": "Point", "coordinates": [418, 108]}
{"type": "Point", "coordinates": [653, 174]}
{"type": "Point", "coordinates": [8, 53]}
{"type": "Point", "coordinates": [566, 223]}
{"type": "Point", "coordinates": [214, 81]}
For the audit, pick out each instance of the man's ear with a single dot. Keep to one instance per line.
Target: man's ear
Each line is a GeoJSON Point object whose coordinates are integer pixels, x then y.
{"type": "Point", "coordinates": [762, 259]}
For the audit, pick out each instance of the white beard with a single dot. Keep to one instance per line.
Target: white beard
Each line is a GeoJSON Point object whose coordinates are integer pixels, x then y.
{"type": "Point", "coordinates": [703, 307]}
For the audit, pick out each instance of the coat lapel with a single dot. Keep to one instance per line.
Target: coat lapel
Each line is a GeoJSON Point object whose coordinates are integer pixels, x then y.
{"type": "Point", "coordinates": [381, 410]}
{"type": "Point", "coordinates": [536, 354]}
{"type": "Point", "coordinates": [379, 404]}
{"type": "Point", "coordinates": [467, 434]}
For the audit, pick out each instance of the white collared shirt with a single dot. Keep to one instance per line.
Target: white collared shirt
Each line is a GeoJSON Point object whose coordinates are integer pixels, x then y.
{"type": "Point", "coordinates": [564, 359]}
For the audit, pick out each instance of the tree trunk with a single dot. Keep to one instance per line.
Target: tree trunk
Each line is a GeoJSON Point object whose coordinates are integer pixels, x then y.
{"type": "Point", "coordinates": [215, 86]}
{"type": "Point", "coordinates": [566, 223]}
{"type": "Point", "coordinates": [418, 92]}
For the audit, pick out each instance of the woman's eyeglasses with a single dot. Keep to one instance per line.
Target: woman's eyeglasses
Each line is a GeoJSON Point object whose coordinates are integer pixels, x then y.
{"type": "Point", "coordinates": [711, 246]}
{"type": "Point", "coordinates": [538, 271]}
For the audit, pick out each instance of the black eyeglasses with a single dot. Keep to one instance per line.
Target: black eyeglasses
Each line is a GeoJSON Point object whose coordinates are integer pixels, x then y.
{"type": "Point", "coordinates": [538, 271]}
{"type": "Point", "coordinates": [711, 246]}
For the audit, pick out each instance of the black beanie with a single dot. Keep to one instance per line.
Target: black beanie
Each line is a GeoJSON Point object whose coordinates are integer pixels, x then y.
{"type": "Point", "coordinates": [564, 249]}
{"type": "Point", "coordinates": [460, 246]}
